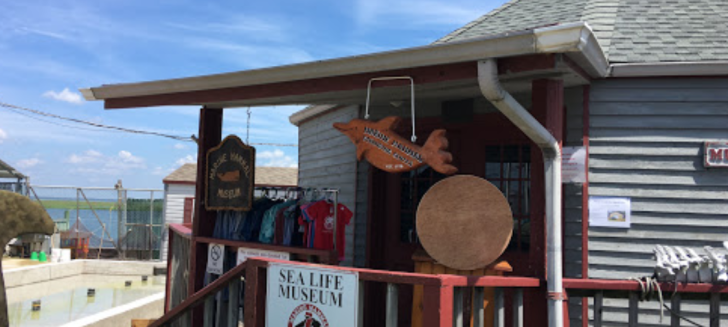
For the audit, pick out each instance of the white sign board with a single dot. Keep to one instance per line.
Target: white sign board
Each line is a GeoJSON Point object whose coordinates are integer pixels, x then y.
{"type": "Point", "coordinates": [610, 212]}
{"type": "Point", "coordinates": [573, 164]}
{"type": "Point", "coordinates": [307, 296]}
{"type": "Point", "coordinates": [715, 154]}
{"type": "Point", "coordinates": [245, 253]}
{"type": "Point", "coordinates": [215, 258]}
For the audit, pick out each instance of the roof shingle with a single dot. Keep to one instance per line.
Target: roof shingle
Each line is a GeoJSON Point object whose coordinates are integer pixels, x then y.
{"type": "Point", "coordinates": [264, 176]}
{"type": "Point", "coordinates": [627, 30]}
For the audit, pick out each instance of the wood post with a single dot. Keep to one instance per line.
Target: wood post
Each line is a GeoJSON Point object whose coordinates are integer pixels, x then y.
{"type": "Point", "coordinates": [210, 134]}
{"type": "Point", "coordinates": [714, 309]}
{"type": "Point", "coordinates": [634, 309]}
{"type": "Point", "coordinates": [438, 306]}
{"type": "Point", "coordinates": [674, 318]}
{"type": "Point", "coordinates": [168, 284]}
{"type": "Point", "coordinates": [598, 301]}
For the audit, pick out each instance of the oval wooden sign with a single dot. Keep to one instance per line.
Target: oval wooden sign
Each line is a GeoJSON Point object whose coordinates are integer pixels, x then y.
{"type": "Point", "coordinates": [464, 222]}
{"type": "Point", "coordinates": [230, 176]}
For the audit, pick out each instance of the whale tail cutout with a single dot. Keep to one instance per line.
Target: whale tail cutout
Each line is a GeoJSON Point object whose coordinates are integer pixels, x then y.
{"type": "Point", "coordinates": [436, 155]}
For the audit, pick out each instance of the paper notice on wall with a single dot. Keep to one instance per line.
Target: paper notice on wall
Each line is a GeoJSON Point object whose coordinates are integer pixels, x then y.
{"type": "Point", "coordinates": [573, 164]}
{"type": "Point", "coordinates": [215, 258]}
{"type": "Point", "coordinates": [610, 212]}
{"type": "Point", "coordinates": [245, 253]}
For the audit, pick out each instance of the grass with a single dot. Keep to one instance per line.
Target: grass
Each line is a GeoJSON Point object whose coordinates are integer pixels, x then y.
{"type": "Point", "coordinates": [71, 205]}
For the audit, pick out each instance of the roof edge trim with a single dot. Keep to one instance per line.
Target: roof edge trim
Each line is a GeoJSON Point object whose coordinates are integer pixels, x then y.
{"type": "Point", "coordinates": [300, 116]}
{"type": "Point", "coordinates": [687, 68]}
{"type": "Point", "coordinates": [569, 38]}
{"type": "Point", "coordinates": [88, 94]}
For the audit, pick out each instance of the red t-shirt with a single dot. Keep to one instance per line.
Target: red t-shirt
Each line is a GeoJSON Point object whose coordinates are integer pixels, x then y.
{"type": "Point", "coordinates": [320, 216]}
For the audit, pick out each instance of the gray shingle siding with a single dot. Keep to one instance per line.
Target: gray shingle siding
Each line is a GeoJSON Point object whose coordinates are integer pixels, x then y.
{"type": "Point", "coordinates": [327, 159]}
{"type": "Point", "coordinates": [627, 30]}
{"type": "Point", "coordinates": [646, 138]}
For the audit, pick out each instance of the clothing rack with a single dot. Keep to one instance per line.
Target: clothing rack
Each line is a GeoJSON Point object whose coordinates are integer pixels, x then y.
{"type": "Point", "coordinates": [300, 191]}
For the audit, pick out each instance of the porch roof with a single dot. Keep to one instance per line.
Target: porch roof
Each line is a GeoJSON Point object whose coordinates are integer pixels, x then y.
{"type": "Point", "coordinates": [437, 69]}
{"type": "Point", "coordinates": [7, 171]}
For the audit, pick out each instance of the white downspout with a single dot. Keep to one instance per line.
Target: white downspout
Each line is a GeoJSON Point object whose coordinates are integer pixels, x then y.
{"type": "Point", "coordinates": [493, 91]}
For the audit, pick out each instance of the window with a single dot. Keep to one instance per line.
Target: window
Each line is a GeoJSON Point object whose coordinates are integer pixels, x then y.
{"type": "Point", "coordinates": [414, 186]}
{"type": "Point", "coordinates": [508, 167]}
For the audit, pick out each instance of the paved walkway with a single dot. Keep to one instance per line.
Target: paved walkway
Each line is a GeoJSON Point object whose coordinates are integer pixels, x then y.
{"type": "Point", "coordinates": [11, 263]}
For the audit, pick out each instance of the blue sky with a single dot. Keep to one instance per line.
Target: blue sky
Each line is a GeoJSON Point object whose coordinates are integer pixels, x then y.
{"type": "Point", "coordinates": [50, 49]}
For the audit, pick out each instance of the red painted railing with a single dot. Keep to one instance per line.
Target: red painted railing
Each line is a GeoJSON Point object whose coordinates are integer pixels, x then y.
{"type": "Point", "coordinates": [672, 293]}
{"type": "Point", "coordinates": [443, 305]}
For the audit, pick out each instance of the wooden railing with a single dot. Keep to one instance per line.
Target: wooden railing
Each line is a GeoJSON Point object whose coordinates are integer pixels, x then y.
{"type": "Point", "coordinates": [443, 295]}
{"type": "Point", "coordinates": [673, 294]}
{"type": "Point", "coordinates": [178, 233]}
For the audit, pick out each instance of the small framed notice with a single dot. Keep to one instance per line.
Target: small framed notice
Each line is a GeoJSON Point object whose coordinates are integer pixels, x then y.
{"type": "Point", "coordinates": [215, 258]}
{"type": "Point", "coordinates": [245, 253]}
{"type": "Point", "coordinates": [573, 164]}
{"type": "Point", "coordinates": [610, 212]}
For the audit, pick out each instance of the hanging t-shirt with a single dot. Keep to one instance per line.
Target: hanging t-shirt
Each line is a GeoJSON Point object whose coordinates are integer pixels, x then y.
{"type": "Point", "coordinates": [320, 217]}
{"type": "Point", "coordinates": [268, 225]}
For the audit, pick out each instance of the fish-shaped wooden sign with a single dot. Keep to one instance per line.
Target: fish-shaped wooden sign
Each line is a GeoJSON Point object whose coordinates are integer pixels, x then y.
{"type": "Point", "coordinates": [386, 150]}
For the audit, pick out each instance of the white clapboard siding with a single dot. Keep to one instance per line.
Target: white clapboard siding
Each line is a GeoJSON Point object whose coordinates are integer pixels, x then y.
{"type": "Point", "coordinates": [174, 208]}
{"type": "Point", "coordinates": [327, 159]}
{"type": "Point", "coordinates": [646, 139]}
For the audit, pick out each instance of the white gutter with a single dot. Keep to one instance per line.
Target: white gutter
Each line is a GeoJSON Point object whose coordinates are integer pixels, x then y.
{"type": "Point", "coordinates": [518, 115]}
{"type": "Point", "coordinates": [309, 112]}
{"type": "Point", "coordinates": [690, 68]}
{"type": "Point", "coordinates": [574, 39]}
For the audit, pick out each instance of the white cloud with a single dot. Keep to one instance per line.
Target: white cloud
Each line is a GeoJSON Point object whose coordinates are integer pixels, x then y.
{"type": "Point", "coordinates": [180, 146]}
{"type": "Point", "coordinates": [89, 156]}
{"type": "Point", "coordinates": [28, 163]}
{"type": "Point", "coordinates": [127, 157]}
{"type": "Point", "coordinates": [185, 160]}
{"type": "Point", "coordinates": [160, 171]}
{"type": "Point", "coordinates": [414, 13]}
{"type": "Point", "coordinates": [3, 135]}
{"type": "Point", "coordinates": [95, 162]}
{"type": "Point", "coordinates": [66, 96]}
{"type": "Point", "coordinates": [275, 158]}
{"type": "Point", "coordinates": [250, 56]}
{"type": "Point", "coordinates": [265, 28]}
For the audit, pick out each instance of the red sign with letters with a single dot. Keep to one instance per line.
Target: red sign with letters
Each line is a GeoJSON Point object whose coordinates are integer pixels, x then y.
{"type": "Point", "coordinates": [716, 154]}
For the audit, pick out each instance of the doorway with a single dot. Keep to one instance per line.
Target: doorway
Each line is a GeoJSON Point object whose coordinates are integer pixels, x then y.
{"type": "Point", "coordinates": [489, 146]}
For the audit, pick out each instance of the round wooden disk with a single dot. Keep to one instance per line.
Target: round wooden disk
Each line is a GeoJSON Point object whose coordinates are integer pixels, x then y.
{"type": "Point", "coordinates": [464, 222]}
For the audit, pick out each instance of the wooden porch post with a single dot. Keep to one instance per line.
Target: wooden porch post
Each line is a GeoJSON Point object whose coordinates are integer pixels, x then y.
{"type": "Point", "coordinates": [438, 305]}
{"type": "Point", "coordinates": [203, 223]}
{"type": "Point", "coordinates": [548, 108]}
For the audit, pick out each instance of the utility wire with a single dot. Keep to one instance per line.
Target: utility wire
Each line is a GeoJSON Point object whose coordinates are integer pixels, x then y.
{"type": "Point", "coordinates": [101, 127]}
{"type": "Point", "coordinates": [128, 130]}
{"type": "Point", "coordinates": [274, 144]}
{"type": "Point", "coordinates": [55, 123]}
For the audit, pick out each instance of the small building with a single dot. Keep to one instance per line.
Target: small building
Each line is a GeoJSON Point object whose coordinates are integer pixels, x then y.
{"type": "Point", "coordinates": [641, 86]}
{"type": "Point", "coordinates": [179, 191]}
{"type": "Point", "coordinates": [11, 179]}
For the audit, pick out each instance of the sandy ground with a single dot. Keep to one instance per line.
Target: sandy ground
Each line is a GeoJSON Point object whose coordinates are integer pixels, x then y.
{"type": "Point", "coordinates": [11, 263]}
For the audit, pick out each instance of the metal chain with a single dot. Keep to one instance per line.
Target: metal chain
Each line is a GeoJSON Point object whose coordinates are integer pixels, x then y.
{"type": "Point", "coordinates": [247, 131]}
